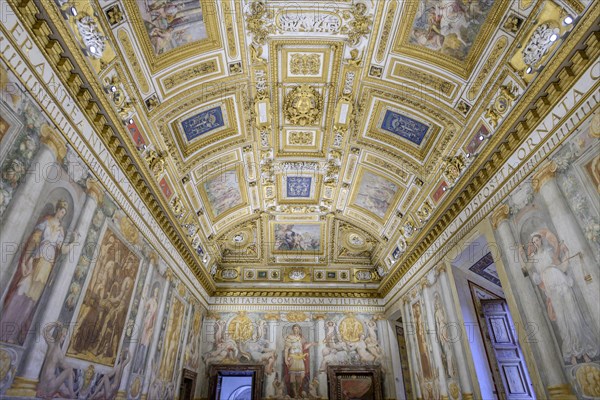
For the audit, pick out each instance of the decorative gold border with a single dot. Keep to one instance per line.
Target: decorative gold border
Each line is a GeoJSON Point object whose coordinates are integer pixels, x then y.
{"type": "Point", "coordinates": [325, 64]}
{"type": "Point", "coordinates": [187, 81]}
{"type": "Point", "coordinates": [299, 253]}
{"type": "Point", "coordinates": [393, 203]}
{"type": "Point", "coordinates": [242, 187]}
{"type": "Point", "coordinates": [462, 68]}
{"type": "Point", "coordinates": [174, 56]}
{"type": "Point", "coordinates": [313, 149]}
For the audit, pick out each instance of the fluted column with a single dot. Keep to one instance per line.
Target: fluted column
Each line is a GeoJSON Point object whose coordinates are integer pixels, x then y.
{"type": "Point", "coordinates": [435, 344]}
{"type": "Point", "coordinates": [320, 339]}
{"type": "Point", "coordinates": [60, 286]}
{"type": "Point", "coordinates": [26, 197]}
{"type": "Point", "coordinates": [457, 344]}
{"type": "Point", "coordinates": [550, 364]}
{"type": "Point", "coordinates": [411, 346]}
{"type": "Point", "coordinates": [587, 277]}
{"type": "Point", "coordinates": [148, 374]}
{"type": "Point", "coordinates": [138, 326]}
{"type": "Point", "coordinates": [272, 326]}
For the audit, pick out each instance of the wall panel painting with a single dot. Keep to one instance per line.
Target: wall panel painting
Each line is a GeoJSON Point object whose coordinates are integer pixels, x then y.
{"type": "Point", "coordinates": [101, 318]}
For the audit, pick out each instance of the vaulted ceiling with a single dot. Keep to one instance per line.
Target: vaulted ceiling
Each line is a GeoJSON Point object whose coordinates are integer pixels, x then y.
{"type": "Point", "coordinates": [310, 144]}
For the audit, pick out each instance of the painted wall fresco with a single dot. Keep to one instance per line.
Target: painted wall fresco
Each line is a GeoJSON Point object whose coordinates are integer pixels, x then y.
{"type": "Point", "coordinates": [101, 318]}
{"type": "Point", "coordinates": [426, 326]}
{"type": "Point", "coordinates": [296, 347]}
{"type": "Point", "coordinates": [173, 23]}
{"type": "Point", "coordinates": [449, 27]}
{"type": "Point", "coordinates": [84, 295]}
{"type": "Point", "coordinates": [554, 219]}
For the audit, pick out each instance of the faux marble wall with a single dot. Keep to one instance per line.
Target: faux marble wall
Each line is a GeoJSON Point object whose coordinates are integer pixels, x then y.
{"type": "Point", "coordinates": [88, 308]}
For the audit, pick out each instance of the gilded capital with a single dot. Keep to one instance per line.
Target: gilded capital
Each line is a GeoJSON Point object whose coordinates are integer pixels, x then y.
{"type": "Point", "coordinates": [543, 175]}
{"type": "Point", "coordinates": [54, 141]}
{"type": "Point", "coordinates": [441, 268]}
{"type": "Point", "coordinates": [561, 392]}
{"type": "Point", "coordinates": [94, 189]}
{"type": "Point", "coordinates": [500, 214]}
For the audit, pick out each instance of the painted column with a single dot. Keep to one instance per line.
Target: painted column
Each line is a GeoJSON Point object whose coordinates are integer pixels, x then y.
{"type": "Point", "coordinates": [384, 327]}
{"type": "Point", "coordinates": [586, 275]}
{"type": "Point", "coordinates": [411, 346]}
{"type": "Point", "coordinates": [396, 362]}
{"type": "Point", "coordinates": [431, 331]}
{"type": "Point", "coordinates": [532, 314]}
{"type": "Point", "coordinates": [455, 335]}
{"type": "Point", "coordinates": [320, 337]}
{"type": "Point", "coordinates": [27, 195]}
{"type": "Point", "coordinates": [60, 288]}
{"type": "Point", "coordinates": [148, 373]}
{"type": "Point", "coordinates": [138, 327]}
{"type": "Point", "coordinates": [269, 379]}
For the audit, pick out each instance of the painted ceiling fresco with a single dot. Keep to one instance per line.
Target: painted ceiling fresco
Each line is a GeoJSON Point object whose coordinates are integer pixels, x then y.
{"type": "Point", "coordinates": [312, 142]}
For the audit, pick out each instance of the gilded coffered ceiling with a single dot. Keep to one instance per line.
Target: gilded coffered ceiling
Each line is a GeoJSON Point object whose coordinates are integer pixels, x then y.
{"type": "Point", "coordinates": [309, 144]}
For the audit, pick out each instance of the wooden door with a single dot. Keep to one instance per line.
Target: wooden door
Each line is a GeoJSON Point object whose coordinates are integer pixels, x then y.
{"type": "Point", "coordinates": [188, 385]}
{"type": "Point", "coordinates": [511, 363]}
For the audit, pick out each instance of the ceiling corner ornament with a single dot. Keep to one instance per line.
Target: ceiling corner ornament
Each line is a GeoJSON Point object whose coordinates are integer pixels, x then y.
{"type": "Point", "coordinates": [258, 22]}
{"type": "Point", "coordinates": [359, 26]}
{"type": "Point", "coordinates": [303, 105]}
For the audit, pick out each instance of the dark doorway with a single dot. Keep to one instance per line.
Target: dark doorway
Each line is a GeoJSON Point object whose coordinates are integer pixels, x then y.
{"type": "Point", "coordinates": [188, 385]}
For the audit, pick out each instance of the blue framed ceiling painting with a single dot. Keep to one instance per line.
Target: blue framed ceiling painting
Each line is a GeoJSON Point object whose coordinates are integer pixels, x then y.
{"type": "Point", "coordinates": [405, 127]}
{"type": "Point", "coordinates": [298, 186]}
{"type": "Point", "coordinates": [203, 123]}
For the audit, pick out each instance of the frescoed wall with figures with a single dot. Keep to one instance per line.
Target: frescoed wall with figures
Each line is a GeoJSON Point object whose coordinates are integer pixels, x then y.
{"type": "Point", "coordinates": [551, 221]}
{"type": "Point", "coordinates": [89, 310]}
{"type": "Point", "coordinates": [296, 347]}
{"type": "Point", "coordinates": [434, 339]}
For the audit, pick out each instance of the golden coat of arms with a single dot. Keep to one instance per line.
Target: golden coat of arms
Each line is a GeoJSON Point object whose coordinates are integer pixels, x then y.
{"type": "Point", "coordinates": [303, 105]}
